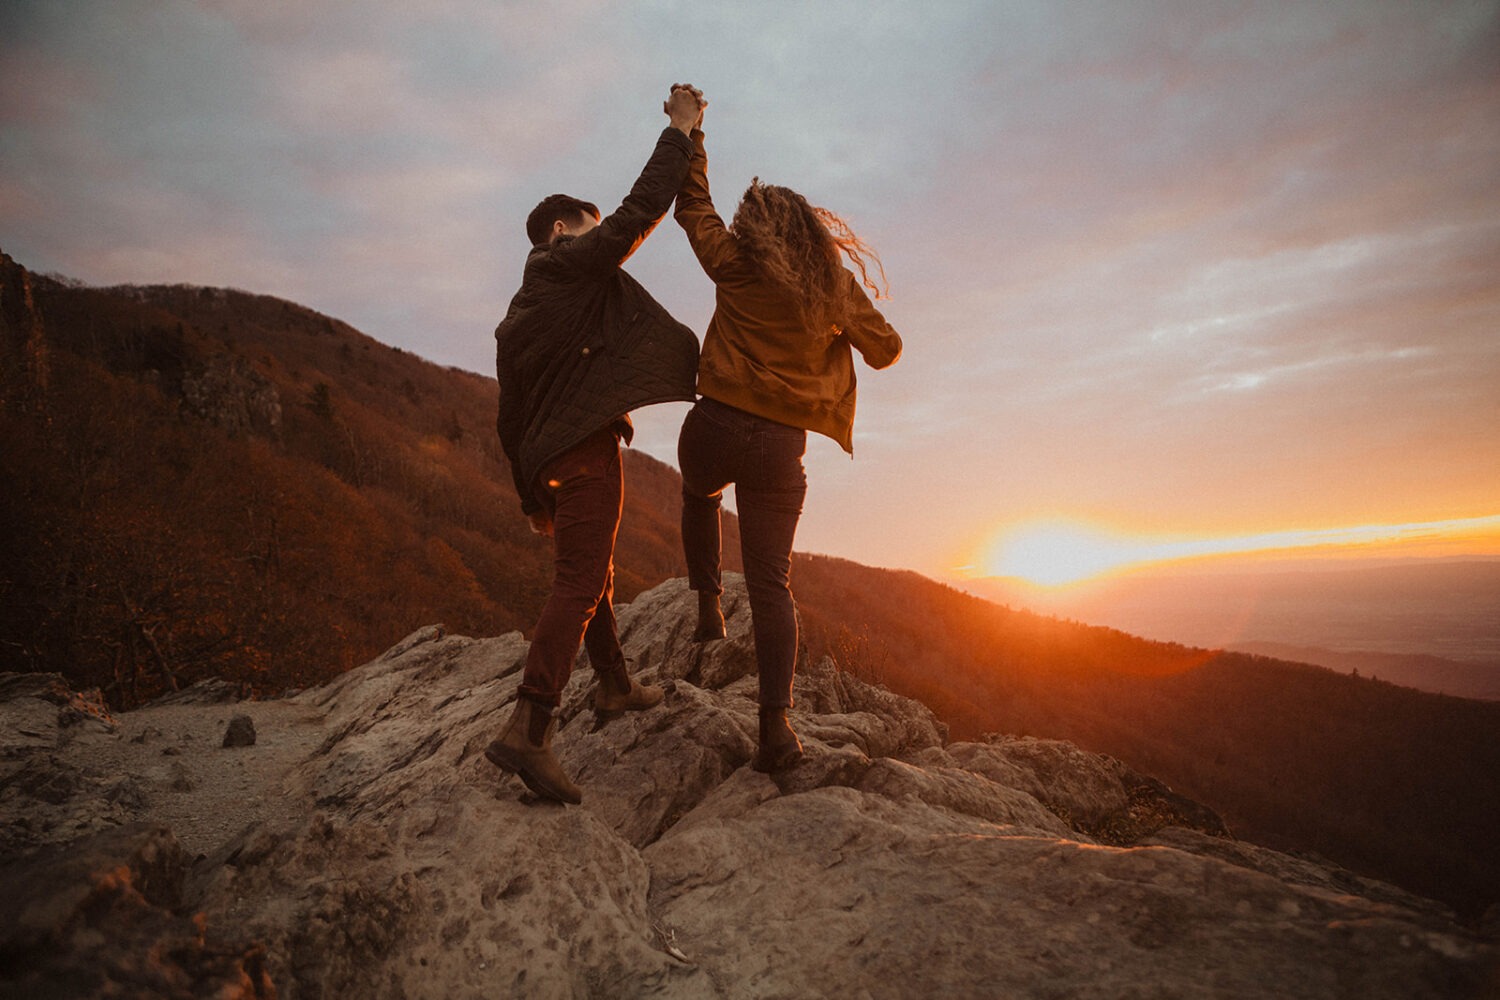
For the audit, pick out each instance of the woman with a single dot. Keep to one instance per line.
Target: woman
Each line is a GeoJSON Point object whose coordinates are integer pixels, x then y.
{"type": "Point", "coordinates": [776, 363]}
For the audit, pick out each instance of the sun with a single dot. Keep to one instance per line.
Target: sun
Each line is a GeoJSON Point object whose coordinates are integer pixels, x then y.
{"type": "Point", "coordinates": [1057, 553]}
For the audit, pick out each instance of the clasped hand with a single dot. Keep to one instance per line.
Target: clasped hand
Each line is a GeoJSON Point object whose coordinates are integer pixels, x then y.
{"type": "Point", "coordinates": [685, 106]}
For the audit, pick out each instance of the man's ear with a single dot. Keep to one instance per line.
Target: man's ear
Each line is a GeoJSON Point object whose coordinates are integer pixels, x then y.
{"type": "Point", "coordinates": [559, 228]}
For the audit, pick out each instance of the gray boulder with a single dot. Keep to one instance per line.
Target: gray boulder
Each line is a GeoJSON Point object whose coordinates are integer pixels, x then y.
{"type": "Point", "coordinates": [369, 849]}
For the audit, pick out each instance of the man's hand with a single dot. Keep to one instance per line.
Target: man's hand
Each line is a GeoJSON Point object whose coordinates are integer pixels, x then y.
{"type": "Point", "coordinates": [541, 524]}
{"type": "Point", "coordinates": [685, 107]}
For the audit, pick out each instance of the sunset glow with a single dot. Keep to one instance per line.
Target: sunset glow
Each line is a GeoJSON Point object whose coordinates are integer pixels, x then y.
{"type": "Point", "coordinates": [1058, 553]}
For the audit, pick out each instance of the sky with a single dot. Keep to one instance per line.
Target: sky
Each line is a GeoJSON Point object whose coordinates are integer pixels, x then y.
{"type": "Point", "coordinates": [1166, 270]}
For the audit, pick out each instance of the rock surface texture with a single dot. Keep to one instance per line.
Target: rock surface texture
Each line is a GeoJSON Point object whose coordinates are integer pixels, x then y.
{"type": "Point", "coordinates": [363, 846]}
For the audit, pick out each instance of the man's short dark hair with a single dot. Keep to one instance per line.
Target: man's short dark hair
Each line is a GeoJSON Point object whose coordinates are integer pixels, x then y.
{"type": "Point", "coordinates": [554, 208]}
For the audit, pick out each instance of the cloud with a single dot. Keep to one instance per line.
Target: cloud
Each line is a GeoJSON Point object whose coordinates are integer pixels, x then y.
{"type": "Point", "coordinates": [1135, 249]}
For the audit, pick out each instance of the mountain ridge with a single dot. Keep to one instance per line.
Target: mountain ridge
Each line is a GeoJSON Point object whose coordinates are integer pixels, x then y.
{"type": "Point", "coordinates": [1420, 672]}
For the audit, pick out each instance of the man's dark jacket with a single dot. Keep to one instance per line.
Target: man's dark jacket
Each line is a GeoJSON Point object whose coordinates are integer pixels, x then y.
{"type": "Point", "coordinates": [583, 343]}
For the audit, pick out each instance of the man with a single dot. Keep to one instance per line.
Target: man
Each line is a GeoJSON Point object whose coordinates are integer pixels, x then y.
{"type": "Point", "coordinates": [582, 345]}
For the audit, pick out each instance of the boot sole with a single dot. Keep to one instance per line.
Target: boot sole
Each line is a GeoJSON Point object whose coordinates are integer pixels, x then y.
{"type": "Point", "coordinates": [607, 712]}
{"type": "Point", "coordinates": [498, 756]}
{"type": "Point", "coordinates": [615, 713]}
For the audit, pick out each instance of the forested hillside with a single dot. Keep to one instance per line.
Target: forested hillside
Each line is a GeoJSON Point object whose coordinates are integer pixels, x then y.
{"type": "Point", "coordinates": [204, 482]}
{"type": "Point", "coordinates": [201, 482]}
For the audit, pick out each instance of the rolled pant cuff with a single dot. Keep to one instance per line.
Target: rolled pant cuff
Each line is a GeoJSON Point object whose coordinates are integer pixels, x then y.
{"type": "Point", "coordinates": [549, 701]}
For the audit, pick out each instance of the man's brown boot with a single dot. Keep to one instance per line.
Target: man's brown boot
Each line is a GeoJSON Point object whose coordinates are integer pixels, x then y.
{"type": "Point", "coordinates": [779, 746]}
{"type": "Point", "coordinates": [525, 749]}
{"type": "Point", "coordinates": [619, 692]}
{"type": "Point", "coordinates": [710, 618]}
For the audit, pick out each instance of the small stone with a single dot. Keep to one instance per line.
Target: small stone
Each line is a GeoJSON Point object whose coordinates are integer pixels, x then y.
{"type": "Point", "coordinates": [181, 781]}
{"type": "Point", "coordinates": [241, 732]}
{"type": "Point", "coordinates": [128, 794]}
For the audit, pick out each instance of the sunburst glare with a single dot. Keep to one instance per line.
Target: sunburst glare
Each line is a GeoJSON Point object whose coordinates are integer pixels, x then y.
{"type": "Point", "coordinates": [1056, 553]}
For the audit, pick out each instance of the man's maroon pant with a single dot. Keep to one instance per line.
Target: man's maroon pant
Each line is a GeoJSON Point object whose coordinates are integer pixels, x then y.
{"type": "Point", "coordinates": [587, 493]}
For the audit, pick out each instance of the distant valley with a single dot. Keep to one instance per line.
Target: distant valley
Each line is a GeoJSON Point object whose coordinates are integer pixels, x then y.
{"type": "Point", "coordinates": [1425, 673]}
{"type": "Point", "coordinates": [1433, 625]}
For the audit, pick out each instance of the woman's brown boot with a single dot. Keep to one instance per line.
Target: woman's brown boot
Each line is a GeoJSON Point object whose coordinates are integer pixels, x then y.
{"type": "Point", "coordinates": [525, 749]}
{"type": "Point", "coordinates": [779, 746]}
{"type": "Point", "coordinates": [619, 692]}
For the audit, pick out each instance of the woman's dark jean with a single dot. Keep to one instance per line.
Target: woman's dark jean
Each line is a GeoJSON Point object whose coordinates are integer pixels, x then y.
{"type": "Point", "coordinates": [719, 445]}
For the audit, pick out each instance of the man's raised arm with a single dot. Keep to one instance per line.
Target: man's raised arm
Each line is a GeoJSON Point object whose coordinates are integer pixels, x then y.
{"type": "Point", "coordinates": [616, 237]}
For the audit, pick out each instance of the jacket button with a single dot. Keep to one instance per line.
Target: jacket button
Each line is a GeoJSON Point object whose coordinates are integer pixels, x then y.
{"type": "Point", "coordinates": [585, 352]}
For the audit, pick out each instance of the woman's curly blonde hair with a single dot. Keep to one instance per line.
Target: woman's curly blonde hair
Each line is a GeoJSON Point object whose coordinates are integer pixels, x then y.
{"type": "Point", "coordinates": [796, 244]}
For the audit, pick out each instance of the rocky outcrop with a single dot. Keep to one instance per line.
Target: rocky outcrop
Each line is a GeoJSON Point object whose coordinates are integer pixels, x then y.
{"type": "Point", "coordinates": [226, 391]}
{"type": "Point", "coordinates": [24, 364]}
{"type": "Point", "coordinates": [380, 855]}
